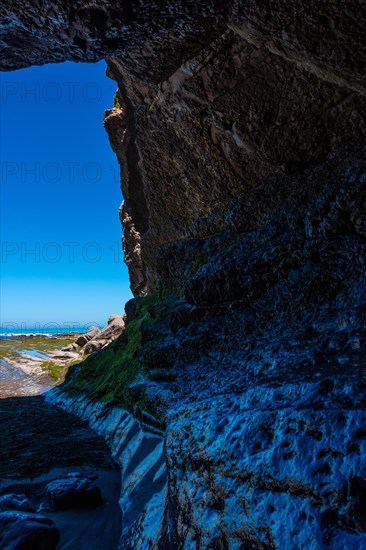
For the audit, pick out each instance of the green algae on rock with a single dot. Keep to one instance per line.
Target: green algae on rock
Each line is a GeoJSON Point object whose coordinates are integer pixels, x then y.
{"type": "Point", "coordinates": [111, 373]}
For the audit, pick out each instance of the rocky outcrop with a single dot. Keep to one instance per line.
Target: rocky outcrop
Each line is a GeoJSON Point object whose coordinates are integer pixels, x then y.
{"type": "Point", "coordinates": [84, 338]}
{"type": "Point", "coordinates": [34, 34]}
{"type": "Point", "coordinates": [92, 340]}
{"type": "Point", "coordinates": [103, 337]}
{"type": "Point", "coordinates": [15, 502]}
{"type": "Point", "coordinates": [22, 530]}
{"type": "Point", "coordinates": [254, 178]}
{"type": "Point", "coordinates": [256, 378]}
{"type": "Point", "coordinates": [240, 131]}
{"type": "Point", "coordinates": [216, 98]}
{"type": "Point", "coordinates": [72, 492]}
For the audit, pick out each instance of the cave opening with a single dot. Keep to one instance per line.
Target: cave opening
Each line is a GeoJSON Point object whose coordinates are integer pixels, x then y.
{"type": "Point", "coordinates": [62, 261]}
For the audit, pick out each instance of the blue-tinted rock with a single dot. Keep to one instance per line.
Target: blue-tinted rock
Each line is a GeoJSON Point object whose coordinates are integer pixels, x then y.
{"type": "Point", "coordinates": [15, 502]}
{"type": "Point", "coordinates": [74, 492]}
{"type": "Point", "coordinates": [22, 531]}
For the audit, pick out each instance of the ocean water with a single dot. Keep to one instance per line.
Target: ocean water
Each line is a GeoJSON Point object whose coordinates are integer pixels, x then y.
{"type": "Point", "coordinates": [8, 332]}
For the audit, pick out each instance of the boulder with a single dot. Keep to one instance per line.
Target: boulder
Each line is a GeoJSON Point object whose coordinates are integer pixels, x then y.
{"type": "Point", "coordinates": [94, 345]}
{"type": "Point", "coordinates": [115, 326]}
{"type": "Point", "coordinates": [63, 355]}
{"type": "Point", "coordinates": [116, 317]}
{"type": "Point", "coordinates": [74, 492]}
{"type": "Point", "coordinates": [15, 502]}
{"type": "Point", "coordinates": [71, 347]}
{"type": "Point", "coordinates": [84, 338]}
{"type": "Point", "coordinates": [22, 531]}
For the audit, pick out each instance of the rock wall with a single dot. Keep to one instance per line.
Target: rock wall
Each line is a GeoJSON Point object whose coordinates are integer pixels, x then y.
{"type": "Point", "coordinates": [252, 110]}
{"type": "Point", "coordinates": [240, 130]}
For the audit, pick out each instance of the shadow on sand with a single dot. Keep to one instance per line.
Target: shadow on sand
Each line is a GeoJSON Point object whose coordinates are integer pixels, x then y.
{"type": "Point", "coordinates": [39, 443]}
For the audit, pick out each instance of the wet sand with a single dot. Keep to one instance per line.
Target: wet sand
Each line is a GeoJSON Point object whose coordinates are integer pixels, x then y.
{"type": "Point", "coordinates": [31, 365]}
{"type": "Point", "coordinates": [40, 443]}
{"type": "Point", "coordinates": [16, 382]}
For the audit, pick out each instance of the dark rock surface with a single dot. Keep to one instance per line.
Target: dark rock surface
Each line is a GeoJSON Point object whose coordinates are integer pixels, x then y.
{"type": "Point", "coordinates": [19, 530]}
{"type": "Point", "coordinates": [34, 34]}
{"type": "Point", "coordinates": [263, 371]}
{"type": "Point", "coordinates": [253, 173]}
{"type": "Point", "coordinates": [240, 131]}
{"type": "Point", "coordinates": [15, 502]}
{"type": "Point", "coordinates": [74, 492]}
{"type": "Point", "coordinates": [206, 145]}
{"type": "Point", "coordinates": [41, 444]}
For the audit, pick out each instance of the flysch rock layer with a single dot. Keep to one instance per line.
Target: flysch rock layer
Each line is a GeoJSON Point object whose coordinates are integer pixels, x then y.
{"type": "Point", "coordinates": [140, 455]}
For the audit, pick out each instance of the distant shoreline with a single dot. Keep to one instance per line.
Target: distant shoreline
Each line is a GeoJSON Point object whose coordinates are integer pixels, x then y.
{"type": "Point", "coordinates": [30, 335]}
{"type": "Point", "coordinates": [47, 330]}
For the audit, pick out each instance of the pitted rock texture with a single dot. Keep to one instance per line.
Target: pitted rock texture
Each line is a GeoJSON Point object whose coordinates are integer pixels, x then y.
{"type": "Point", "coordinates": [258, 375]}
{"type": "Point", "coordinates": [263, 373]}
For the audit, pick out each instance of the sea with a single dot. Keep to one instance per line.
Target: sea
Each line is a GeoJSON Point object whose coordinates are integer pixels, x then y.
{"type": "Point", "coordinates": [10, 332]}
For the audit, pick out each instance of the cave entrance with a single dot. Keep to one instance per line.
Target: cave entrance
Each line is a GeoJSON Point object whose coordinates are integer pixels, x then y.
{"type": "Point", "coordinates": [62, 263]}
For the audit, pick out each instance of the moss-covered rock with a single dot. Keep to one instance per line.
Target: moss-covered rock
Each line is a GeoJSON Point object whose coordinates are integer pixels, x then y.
{"type": "Point", "coordinates": [114, 373]}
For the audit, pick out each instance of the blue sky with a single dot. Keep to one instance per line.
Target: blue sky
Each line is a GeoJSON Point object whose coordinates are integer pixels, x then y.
{"type": "Point", "coordinates": [61, 256]}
